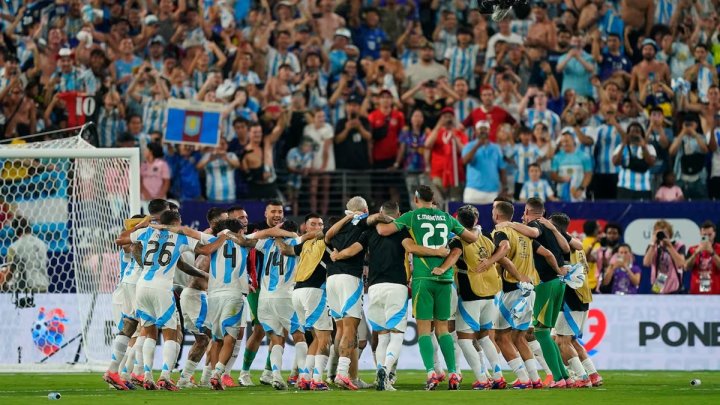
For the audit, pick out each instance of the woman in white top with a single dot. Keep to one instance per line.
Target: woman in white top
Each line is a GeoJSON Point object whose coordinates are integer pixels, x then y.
{"type": "Point", "coordinates": [322, 135]}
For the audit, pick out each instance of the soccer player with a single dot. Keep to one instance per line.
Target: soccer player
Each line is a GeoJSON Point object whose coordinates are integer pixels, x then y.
{"type": "Point", "coordinates": [550, 291]}
{"type": "Point", "coordinates": [155, 302]}
{"type": "Point", "coordinates": [310, 301]}
{"type": "Point", "coordinates": [431, 283]}
{"type": "Point", "coordinates": [571, 322]}
{"type": "Point", "coordinates": [274, 216]}
{"type": "Point", "coordinates": [388, 279]}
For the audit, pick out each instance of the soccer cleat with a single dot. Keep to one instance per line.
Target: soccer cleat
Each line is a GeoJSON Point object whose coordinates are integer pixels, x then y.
{"type": "Point", "coordinates": [185, 383]}
{"type": "Point", "coordinates": [149, 385]}
{"type": "Point", "coordinates": [499, 384]}
{"type": "Point", "coordinates": [129, 385]}
{"type": "Point", "coordinates": [583, 383]}
{"type": "Point", "coordinates": [345, 382]}
{"type": "Point", "coordinates": [548, 380]}
{"type": "Point", "coordinates": [266, 378]}
{"type": "Point", "coordinates": [362, 385]}
{"type": "Point", "coordinates": [596, 379]}
{"type": "Point", "coordinates": [432, 382]}
{"type": "Point", "coordinates": [302, 384]}
{"type": "Point", "coordinates": [557, 384]}
{"type": "Point", "coordinates": [279, 384]}
{"type": "Point", "coordinates": [319, 386]}
{"type": "Point", "coordinates": [522, 385]}
{"type": "Point", "coordinates": [389, 387]}
{"type": "Point", "coordinates": [216, 384]}
{"type": "Point", "coordinates": [441, 376]}
{"type": "Point", "coordinates": [482, 385]}
{"type": "Point", "coordinates": [292, 380]}
{"type": "Point", "coordinates": [245, 380]}
{"type": "Point", "coordinates": [392, 378]}
{"type": "Point", "coordinates": [115, 381]}
{"type": "Point", "coordinates": [227, 381]}
{"type": "Point", "coordinates": [167, 384]}
{"type": "Point", "coordinates": [569, 382]}
{"type": "Point", "coordinates": [137, 379]}
{"type": "Point", "coordinates": [537, 384]}
{"type": "Point", "coordinates": [381, 379]}
{"type": "Point", "coordinates": [454, 382]}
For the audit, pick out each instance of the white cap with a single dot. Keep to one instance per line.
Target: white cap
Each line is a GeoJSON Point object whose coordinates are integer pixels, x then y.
{"type": "Point", "coordinates": [65, 53]}
{"type": "Point", "coordinates": [151, 19]}
{"type": "Point", "coordinates": [482, 124]}
{"type": "Point", "coordinates": [343, 32]}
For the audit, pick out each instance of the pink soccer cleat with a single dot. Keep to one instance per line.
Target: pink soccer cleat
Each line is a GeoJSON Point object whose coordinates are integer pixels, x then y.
{"type": "Point", "coordinates": [227, 381]}
{"type": "Point", "coordinates": [115, 380]}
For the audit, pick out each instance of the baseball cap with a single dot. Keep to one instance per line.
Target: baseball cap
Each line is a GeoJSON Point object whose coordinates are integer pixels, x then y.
{"type": "Point", "coordinates": [65, 53]}
{"type": "Point", "coordinates": [151, 19]}
{"type": "Point", "coordinates": [355, 99]}
{"type": "Point", "coordinates": [482, 124]}
{"type": "Point", "coordinates": [385, 91]}
{"type": "Point", "coordinates": [157, 39]}
{"type": "Point", "coordinates": [343, 32]}
{"type": "Point", "coordinates": [567, 130]}
{"type": "Point", "coordinates": [447, 110]}
{"type": "Point", "coordinates": [649, 41]}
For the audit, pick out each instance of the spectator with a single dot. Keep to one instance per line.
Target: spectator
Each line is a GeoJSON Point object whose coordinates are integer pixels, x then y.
{"type": "Point", "coordinates": [19, 112]}
{"type": "Point", "coordinates": [689, 149]}
{"type": "Point", "coordinates": [607, 137]}
{"type": "Point", "coordinates": [543, 32]}
{"type": "Point", "coordinates": [465, 103]}
{"type": "Point", "coordinates": [541, 137]}
{"type": "Point", "coordinates": [622, 275]}
{"type": "Point", "coordinates": [369, 35]}
{"type": "Point", "coordinates": [659, 136]}
{"type": "Point", "coordinates": [503, 34]}
{"type": "Point", "coordinates": [509, 98]}
{"type": "Point", "coordinates": [485, 168]}
{"type": "Point", "coordinates": [258, 164]}
{"type": "Point", "coordinates": [299, 164]}
{"type": "Point", "coordinates": [666, 258]}
{"type": "Point", "coordinates": [443, 148]}
{"type": "Point", "coordinates": [523, 155]}
{"type": "Point", "coordinates": [535, 186]}
{"type": "Point", "coordinates": [28, 259]}
{"type": "Point", "coordinates": [154, 173]}
{"type": "Point", "coordinates": [353, 138]}
{"type": "Point", "coordinates": [649, 69]}
{"type": "Point", "coordinates": [412, 150]}
{"type": "Point", "coordinates": [714, 182]}
{"type": "Point", "coordinates": [321, 133]}
{"type": "Point", "coordinates": [425, 70]}
{"type": "Point", "coordinates": [669, 191]}
{"type": "Point", "coordinates": [571, 169]}
{"type": "Point", "coordinates": [111, 118]}
{"type": "Point", "coordinates": [577, 67]}
{"type": "Point", "coordinates": [386, 72]}
{"type": "Point", "coordinates": [489, 112]}
{"type": "Point", "coordinates": [539, 112]}
{"type": "Point", "coordinates": [634, 157]}
{"type": "Point", "coordinates": [185, 180]}
{"type": "Point", "coordinates": [328, 21]}
{"type": "Point", "coordinates": [703, 262]}
{"type": "Point", "coordinates": [613, 62]}
{"type": "Point", "coordinates": [437, 95]}
{"type": "Point", "coordinates": [702, 75]}
{"type": "Point", "coordinates": [445, 35]}
{"type": "Point", "coordinates": [386, 123]}
{"type": "Point", "coordinates": [460, 60]}
{"type": "Point", "coordinates": [219, 166]}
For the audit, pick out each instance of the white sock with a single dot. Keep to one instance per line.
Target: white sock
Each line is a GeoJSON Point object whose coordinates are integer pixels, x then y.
{"type": "Point", "coordinates": [301, 349]}
{"type": "Point", "coordinates": [589, 366]}
{"type": "Point", "coordinates": [309, 366]}
{"type": "Point", "coordinates": [148, 356]}
{"type": "Point", "coordinates": [481, 356]}
{"type": "Point", "coordinates": [233, 357]}
{"type": "Point", "coordinates": [333, 361]}
{"type": "Point", "coordinates": [518, 367]}
{"type": "Point", "coordinates": [189, 369]}
{"type": "Point", "coordinates": [294, 367]}
{"type": "Point", "coordinates": [343, 366]}
{"type": "Point", "coordinates": [321, 361]}
{"type": "Point", "coordinates": [119, 348]}
{"type": "Point", "coordinates": [393, 350]}
{"type": "Point", "coordinates": [578, 368]}
{"type": "Point", "coordinates": [436, 358]}
{"type": "Point", "coordinates": [169, 355]}
{"type": "Point", "coordinates": [276, 355]}
{"type": "Point", "coordinates": [139, 364]}
{"type": "Point", "coordinates": [457, 352]}
{"type": "Point", "coordinates": [128, 359]}
{"type": "Point", "coordinates": [205, 377]}
{"type": "Point", "coordinates": [532, 370]}
{"type": "Point", "coordinates": [537, 351]}
{"type": "Point", "coordinates": [472, 357]}
{"type": "Point", "coordinates": [381, 349]}
{"type": "Point", "coordinates": [219, 370]}
{"type": "Point", "coordinates": [491, 353]}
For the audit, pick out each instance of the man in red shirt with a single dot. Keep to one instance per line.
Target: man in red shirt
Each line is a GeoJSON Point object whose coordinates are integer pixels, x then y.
{"type": "Point", "coordinates": [443, 160]}
{"type": "Point", "coordinates": [704, 262]}
{"type": "Point", "coordinates": [385, 123]}
{"type": "Point", "coordinates": [493, 114]}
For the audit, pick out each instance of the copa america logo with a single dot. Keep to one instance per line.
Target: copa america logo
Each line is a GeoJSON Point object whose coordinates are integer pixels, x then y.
{"type": "Point", "coordinates": [48, 331]}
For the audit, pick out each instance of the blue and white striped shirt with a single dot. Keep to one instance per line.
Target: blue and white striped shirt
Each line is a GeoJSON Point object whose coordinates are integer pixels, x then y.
{"type": "Point", "coordinates": [244, 79]}
{"type": "Point", "coordinates": [704, 81]}
{"type": "Point", "coordinates": [409, 57]}
{"type": "Point", "coordinates": [228, 269]}
{"type": "Point", "coordinates": [162, 249]}
{"type": "Point", "coordinates": [445, 41]}
{"type": "Point", "coordinates": [607, 139]}
{"type": "Point", "coordinates": [540, 189]}
{"type": "Point", "coordinates": [220, 178]}
{"type": "Point", "coordinates": [277, 280]}
{"type": "Point", "coordinates": [664, 10]}
{"type": "Point", "coordinates": [524, 156]}
{"type": "Point", "coordinates": [628, 179]}
{"type": "Point", "coordinates": [552, 120]}
{"type": "Point", "coordinates": [154, 115]}
{"type": "Point", "coordinates": [462, 63]}
{"type": "Point", "coordinates": [127, 264]}
{"type": "Point", "coordinates": [275, 59]}
{"type": "Point", "coordinates": [463, 108]}
{"type": "Point", "coordinates": [110, 124]}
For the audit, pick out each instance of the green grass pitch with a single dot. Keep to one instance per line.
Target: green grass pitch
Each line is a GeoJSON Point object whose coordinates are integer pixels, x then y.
{"type": "Point", "coordinates": [621, 387]}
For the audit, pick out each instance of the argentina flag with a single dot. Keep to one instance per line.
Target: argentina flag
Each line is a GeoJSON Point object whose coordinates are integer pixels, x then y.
{"type": "Point", "coordinates": [193, 122]}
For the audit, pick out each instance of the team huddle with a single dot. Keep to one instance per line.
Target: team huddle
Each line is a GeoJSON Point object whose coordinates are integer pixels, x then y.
{"type": "Point", "coordinates": [519, 292]}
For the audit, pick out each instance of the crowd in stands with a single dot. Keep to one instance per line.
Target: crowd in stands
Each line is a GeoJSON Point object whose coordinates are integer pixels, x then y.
{"type": "Point", "coordinates": [564, 99]}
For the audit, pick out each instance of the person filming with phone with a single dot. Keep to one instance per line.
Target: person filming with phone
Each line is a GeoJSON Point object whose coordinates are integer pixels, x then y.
{"type": "Point", "coordinates": [703, 262]}
{"type": "Point", "coordinates": [666, 258]}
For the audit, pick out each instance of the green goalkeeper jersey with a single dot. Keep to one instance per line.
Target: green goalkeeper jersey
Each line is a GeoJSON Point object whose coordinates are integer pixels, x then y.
{"type": "Point", "coordinates": [431, 228]}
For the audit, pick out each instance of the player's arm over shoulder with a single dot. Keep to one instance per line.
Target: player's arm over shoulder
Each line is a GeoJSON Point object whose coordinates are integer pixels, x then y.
{"type": "Point", "coordinates": [402, 222]}
{"type": "Point", "coordinates": [469, 236]}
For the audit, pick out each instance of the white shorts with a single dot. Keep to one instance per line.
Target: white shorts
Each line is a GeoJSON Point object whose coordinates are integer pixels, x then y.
{"type": "Point", "coordinates": [570, 323]}
{"type": "Point", "coordinates": [473, 196]}
{"type": "Point", "coordinates": [474, 316]}
{"type": "Point", "coordinates": [522, 320]}
{"type": "Point", "coordinates": [277, 315]}
{"type": "Point", "coordinates": [453, 302]}
{"type": "Point", "coordinates": [226, 314]}
{"type": "Point", "coordinates": [123, 303]}
{"type": "Point", "coordinates": [344, 296]}
{"type": "Point", "coordinates": [194, 306]}
{"type": "Point", "coordinates": [387, 309]}
{"type": "Point", "coordinates": [156, 307]}
{"type": "Point", "coordinates": [310, 305]}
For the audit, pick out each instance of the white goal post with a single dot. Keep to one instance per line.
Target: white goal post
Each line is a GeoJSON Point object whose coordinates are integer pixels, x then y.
{"type": "Point", "coordinates": [62, 204]}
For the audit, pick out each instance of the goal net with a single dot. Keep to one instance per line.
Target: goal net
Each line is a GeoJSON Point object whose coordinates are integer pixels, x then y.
{"type": "Point", "coordinates": [62, 203]}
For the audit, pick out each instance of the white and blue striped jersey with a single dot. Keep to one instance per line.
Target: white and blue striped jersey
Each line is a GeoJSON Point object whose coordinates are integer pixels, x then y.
{"type": "Point", "coordinates": [161, 251]}
{"type": "Point", "coordinates": [445, 41]}
{"type": "Point", "coordinates": [463, 108]}
{"type": "Point", "coordinates": [186, 92]}
{"type": "Point", "coordinates": [409, 57]}
{"type": "Point", "coordinates": [275, 59]}
{"type": "Point", "coordinates": [110, 125]}
{"type": "Point", "coordinates": [277, 278]}
{"type": "Point", "coordinates": [524, 156]}
{"type": "Point", "coordinates": [549, 118]}
{"type": "Point", "coordinates": [337, 111]}
{"type": "Point", "coordinates": [243, 79]}
{"type": "Point", "coordinates": [462, 63]}
{"type": "Point", "coordinates": [628, 179]}
{"type": "Point", "coordinates": [540, 189]}
{"type": "Point", "coordinates": [704, 81]}
{"type": "Point", "coordinates": [664, 10]}
{"type": "Point", "coordinates": [607, 139]}
{"type": "Point", "coordinates": [220, 178]}
{"type": "Point", "coordinates": [127, 267]}
{"type": "Point", "coordinates": [198, 78]}
{"type": "Point", "coordinates": [154, 115]}
{"type": "Point", "coordinates": [228, 269]}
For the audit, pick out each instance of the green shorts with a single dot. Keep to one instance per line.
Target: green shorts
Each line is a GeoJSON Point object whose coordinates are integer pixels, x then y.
{"type": "Point", "coordinates": [548, 302]}
{"type": "Point", "coordinates": [431, 300]}
{"type": "Point", "coordinates": [252, 299]}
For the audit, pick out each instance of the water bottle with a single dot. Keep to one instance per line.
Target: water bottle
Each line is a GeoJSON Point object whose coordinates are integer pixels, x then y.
{"type": "Point", "coordinates": [54, 396]}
